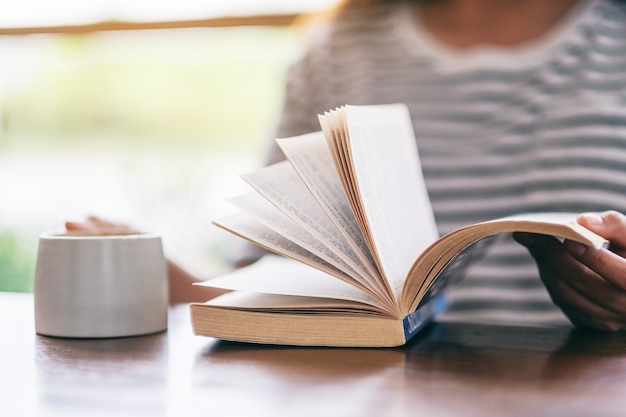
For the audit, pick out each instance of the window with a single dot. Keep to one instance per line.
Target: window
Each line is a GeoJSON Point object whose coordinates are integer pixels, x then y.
{"type": "Point", "coordinates": [146, 127]}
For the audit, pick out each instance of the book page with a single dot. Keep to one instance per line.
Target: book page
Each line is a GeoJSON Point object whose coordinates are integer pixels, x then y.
{"type": "Point", "coordinates": [248, 227]}
{"type": "Point", "coordinates": [281, 185]}
{"type": "Point", "coordinates": [310, 157]}
{"type": "Point", "coordinates": [282, 276]}
{"type": "Point", "coordinates": [268, 214]}
{"type": "Point", "coordinates": [334, 140]}
{"type": "Point", "coordinates": [391, 187]}
{"type": "Point", "coordinates": [265, 212]}
{"type": "Point", "coordinates": [242, 300]}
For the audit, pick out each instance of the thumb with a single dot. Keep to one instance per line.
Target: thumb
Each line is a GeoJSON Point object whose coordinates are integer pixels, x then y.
{"type": "Point", "coordinates": [610, 225]}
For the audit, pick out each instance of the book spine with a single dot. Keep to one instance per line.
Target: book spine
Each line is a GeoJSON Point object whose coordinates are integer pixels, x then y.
{"type": "Point", "coordinates": [417, 320]}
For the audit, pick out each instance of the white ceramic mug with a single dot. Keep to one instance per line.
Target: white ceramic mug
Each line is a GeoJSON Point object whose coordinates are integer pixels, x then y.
{"type": "Point", "coordinates": [100, 286]}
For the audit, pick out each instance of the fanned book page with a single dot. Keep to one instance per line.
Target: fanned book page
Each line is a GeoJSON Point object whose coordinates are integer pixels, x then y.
{"type": "Point", "coordinates": [386, 177]}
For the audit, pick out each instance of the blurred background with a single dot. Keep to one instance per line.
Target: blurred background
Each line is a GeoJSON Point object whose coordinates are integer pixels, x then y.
{"type": "Point", "coordinates": [140, 112]}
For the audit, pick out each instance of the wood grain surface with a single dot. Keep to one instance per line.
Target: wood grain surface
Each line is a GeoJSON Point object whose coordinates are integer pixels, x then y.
{"type": "Point", "coordinates": [451, 369]}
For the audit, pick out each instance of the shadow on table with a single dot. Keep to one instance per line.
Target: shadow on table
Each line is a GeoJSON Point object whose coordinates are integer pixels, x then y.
{"type": "Point", "coordinates": [511, 352]}
{"type": "Point", "coordinates": [465, 350]}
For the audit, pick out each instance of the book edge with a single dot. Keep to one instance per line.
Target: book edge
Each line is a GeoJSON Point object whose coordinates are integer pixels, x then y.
{"type": "Point", "coordinates": [414, 322]}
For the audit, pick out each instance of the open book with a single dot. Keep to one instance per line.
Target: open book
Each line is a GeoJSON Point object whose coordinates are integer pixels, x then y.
{"type": "Point", "coordinates": [349, 201]}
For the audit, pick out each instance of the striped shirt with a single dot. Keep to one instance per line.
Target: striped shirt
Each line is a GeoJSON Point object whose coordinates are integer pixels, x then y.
{"type": "Point", "coordinates": [540, 127]}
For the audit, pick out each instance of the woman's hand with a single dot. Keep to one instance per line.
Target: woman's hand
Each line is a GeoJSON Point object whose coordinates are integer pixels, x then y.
{"type": "Point", "coordinates": [589, 285]}
{"type": "Point", "coordinates": [96, 226]}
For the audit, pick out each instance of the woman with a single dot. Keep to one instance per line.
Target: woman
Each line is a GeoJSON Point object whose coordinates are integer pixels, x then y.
{"type": "Point", "coordinates": [516, 106]}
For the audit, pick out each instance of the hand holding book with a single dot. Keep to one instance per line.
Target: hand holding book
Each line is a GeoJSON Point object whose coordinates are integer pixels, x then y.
{"type": "Point", "coordinates": [588, 284]}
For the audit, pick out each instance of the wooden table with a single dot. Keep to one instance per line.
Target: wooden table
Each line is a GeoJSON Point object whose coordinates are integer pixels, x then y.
{"type": "Point", "coordinates": [452, 369]}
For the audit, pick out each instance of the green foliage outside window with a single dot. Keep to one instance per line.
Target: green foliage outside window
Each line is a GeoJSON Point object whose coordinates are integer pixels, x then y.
{"type": "Point", "coordinates": [17, 263]}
